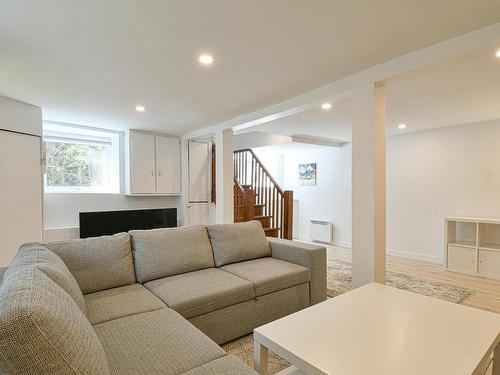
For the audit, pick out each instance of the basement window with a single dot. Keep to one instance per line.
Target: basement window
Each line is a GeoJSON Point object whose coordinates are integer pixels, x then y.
{"type": "Point", "coordinates": [80, 159]}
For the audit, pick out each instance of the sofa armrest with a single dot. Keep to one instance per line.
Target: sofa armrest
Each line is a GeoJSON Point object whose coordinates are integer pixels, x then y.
{"type": "Point", "coordinates": [310, 256]}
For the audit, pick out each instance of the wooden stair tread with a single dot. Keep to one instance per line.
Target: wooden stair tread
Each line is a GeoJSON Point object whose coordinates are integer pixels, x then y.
{"type": "Point", "coordinates": [263, 217]}
{"type": "Point", "coordinates": [259, 205]}
{"type": "Point", "coordinates": [270, 229]}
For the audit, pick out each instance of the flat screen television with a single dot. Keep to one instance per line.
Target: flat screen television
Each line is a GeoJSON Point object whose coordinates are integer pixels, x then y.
{"type": "Point", "coordinates": [100, 223]}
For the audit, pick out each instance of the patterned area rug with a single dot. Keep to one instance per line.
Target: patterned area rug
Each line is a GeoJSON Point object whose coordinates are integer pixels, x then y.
{"type": "Point", "coordinates": [339, 276]}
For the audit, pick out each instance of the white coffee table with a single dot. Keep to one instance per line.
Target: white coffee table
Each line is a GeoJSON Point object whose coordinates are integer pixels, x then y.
{"type": "Point", "coordinates": [380, 330]}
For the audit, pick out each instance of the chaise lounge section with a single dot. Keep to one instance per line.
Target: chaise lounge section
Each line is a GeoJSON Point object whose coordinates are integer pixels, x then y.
{"type": "Point", "coordinates": [151, 301]}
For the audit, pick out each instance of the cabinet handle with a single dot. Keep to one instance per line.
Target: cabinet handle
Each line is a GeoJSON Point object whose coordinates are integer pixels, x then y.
{"type": "Point", "coordinates": [152, 173]}
{"type": "Point", "coordinates": [159, 173]}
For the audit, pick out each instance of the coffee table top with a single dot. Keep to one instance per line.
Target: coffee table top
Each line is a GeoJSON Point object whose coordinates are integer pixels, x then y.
{"type": "Point", "coordinates": [380, 330]}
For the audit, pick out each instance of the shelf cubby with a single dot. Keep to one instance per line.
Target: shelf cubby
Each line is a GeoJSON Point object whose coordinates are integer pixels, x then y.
{"type": "Point", "coordinates": [472, 245]}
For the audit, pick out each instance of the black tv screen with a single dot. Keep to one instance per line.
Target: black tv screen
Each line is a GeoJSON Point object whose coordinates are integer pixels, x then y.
{"type": "Point", "coordinates": [93, 224]}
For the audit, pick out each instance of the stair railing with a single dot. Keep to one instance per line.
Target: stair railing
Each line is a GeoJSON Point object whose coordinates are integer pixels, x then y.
{"type": "Point", "coordinates": [250, 174]}
{"type": "Point", "coordinates": [244, 200]}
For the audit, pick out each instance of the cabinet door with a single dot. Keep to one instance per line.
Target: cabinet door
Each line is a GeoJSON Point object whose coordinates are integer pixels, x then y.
{"type": "Point", "coordinates": [489, 263]}
{"type": "Point", "coordinates": [168, 165]}
{"type": "Point", "coordinates": [142, 163]}
{"type": "Point", "coordinates": [461, 259]}
{"type": "Point", "coordinates": [21, 193]}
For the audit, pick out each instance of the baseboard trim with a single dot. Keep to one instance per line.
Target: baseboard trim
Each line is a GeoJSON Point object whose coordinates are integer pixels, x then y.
{"type": "Point", "coordinates": [416, 256]}
{"type": "Point", "coordinates": [61, 234]}
{"type": "Point", "coordinates": [345, 244]}
{"type": "Point", "coordinates": [399, 253]}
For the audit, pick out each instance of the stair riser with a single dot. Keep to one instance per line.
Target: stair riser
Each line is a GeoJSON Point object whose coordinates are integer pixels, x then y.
{"type": "Point", "coordinates": [266, 222]}
{"type": "Point", "coordinates": [272, 232]}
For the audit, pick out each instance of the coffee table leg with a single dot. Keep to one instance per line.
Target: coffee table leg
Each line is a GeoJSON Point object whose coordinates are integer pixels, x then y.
{"type": "Point", "coordinates": [496, 361]}
{"type": "Point", "coordinates": [260, 358]}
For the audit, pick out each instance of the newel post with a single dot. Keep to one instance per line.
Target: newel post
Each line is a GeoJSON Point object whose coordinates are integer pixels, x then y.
{"type": "Point", "coordinates": [288, 215]}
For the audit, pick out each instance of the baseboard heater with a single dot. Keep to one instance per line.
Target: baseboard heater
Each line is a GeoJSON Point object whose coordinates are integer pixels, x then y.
{"type": "Point", "coordinates": [321, 230]}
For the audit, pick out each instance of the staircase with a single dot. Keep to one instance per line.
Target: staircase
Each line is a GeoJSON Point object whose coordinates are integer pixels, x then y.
{"type": "Point", "coordinates": [257, 196]}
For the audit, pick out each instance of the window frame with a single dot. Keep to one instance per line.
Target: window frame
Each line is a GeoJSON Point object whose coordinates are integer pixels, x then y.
{"type": "Point", "coordinates": [77, 134]}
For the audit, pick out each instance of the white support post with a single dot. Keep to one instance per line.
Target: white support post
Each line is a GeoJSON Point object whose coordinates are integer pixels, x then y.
{"type": "Point", "coordinates": [224, 176]}
{"type": "Point", "coordinates": [368, 184]}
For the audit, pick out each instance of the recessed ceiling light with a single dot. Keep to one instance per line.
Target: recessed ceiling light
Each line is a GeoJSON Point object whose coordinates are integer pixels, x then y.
{"type": "Point", "coordinates": [140, 108]}
{"type": "Point", "coordinates": [498, 53]}
{"type": "Point", "coordinates": [402, 126]}
{"type": "Point", "coordinates": [326, 106]}
{"type": "Point", "coordinates": [206, 59]}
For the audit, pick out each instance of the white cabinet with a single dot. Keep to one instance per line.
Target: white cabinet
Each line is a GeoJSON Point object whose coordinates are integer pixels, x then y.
{"type": "Point", "coordinates": [142, 163]}
{"type": "Point", "coordinates": [168, 165]}
{"type": "Point", "coordinates": [152, 164]}
{"type": "Point", "coordinates": [472, 245]}
{"type": "Point", "coordinates": [461, 259]}
{"type": "Point", "coordinates": [489, 263]}
{"type": "Point", "coordinates": [21, 192]}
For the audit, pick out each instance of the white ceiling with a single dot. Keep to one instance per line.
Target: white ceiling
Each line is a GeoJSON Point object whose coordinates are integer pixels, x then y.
{"type": "Point", "coordinates": [90, 62]}
{"type": "Point", "coordinates": [460, 91]}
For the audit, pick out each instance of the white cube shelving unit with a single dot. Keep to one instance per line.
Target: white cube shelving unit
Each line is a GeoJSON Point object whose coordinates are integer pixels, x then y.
{"type": "Point", "coordinates": [472, 246]}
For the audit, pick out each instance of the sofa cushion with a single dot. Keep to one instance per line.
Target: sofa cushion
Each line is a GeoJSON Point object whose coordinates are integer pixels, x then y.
{"type": "Point", "coordinates": [227, 365]}
{"type": "Point", "coordinates": [37, 255]}
{"type": "Point", "coordinates": [237, 242]}
{"type": "Point", "coordinates": [42, 330]}
{"type": "Point", "coordinates": [269, 274]}
{"type": "Point", "coordinates": [195, 293]}
{"type": "Point", "coordinates": [169, 251]}
{"type": "Point", "coordinates": [98, 263]}
{"type": "Point", "coordinates": [156, 342]}
{"type": "Point", "coordinates": [119, 302]}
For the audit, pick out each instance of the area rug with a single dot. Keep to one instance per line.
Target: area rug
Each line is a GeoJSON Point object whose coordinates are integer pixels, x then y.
{"type": "Point", "coordinates": [339, 276]}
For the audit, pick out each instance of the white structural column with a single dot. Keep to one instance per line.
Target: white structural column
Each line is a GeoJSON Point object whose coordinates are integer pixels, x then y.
{"type": "Point", "coordinates": [224, 176]}
{"type": "Point", "coordinates": [368, 184]}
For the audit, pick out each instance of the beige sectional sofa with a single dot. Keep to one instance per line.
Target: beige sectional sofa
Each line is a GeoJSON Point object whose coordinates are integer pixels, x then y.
{"type": "Point", "coordinates": [150, 301]}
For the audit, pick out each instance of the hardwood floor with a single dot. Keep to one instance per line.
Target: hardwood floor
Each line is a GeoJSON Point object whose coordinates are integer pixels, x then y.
{"type": "Point", "coordinates": [486, 294]}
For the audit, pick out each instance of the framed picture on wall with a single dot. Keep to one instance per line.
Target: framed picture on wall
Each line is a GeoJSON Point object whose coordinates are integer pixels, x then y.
{"type": "Point", "coordinates": [307, 174]}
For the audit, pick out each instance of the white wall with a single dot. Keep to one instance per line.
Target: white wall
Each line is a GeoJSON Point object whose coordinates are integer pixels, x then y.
{"type": "Point", "coordinates": [330, 198]}
{"type": "Point", "coordinates": [452, 171]}
{"type": "Point", "coordinates": [61, 210]}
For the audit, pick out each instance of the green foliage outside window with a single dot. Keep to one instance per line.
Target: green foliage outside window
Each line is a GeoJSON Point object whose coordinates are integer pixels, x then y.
{"type": "Point", "coordinates": [70, 164]}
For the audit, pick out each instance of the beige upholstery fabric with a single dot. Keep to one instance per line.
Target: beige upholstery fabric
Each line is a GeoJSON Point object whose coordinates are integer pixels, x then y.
{"type": "Point", "coordinates": [36, 255]}
{"type": "Point", "coordinates": [119, 302]}
{"type": "Point", "coordinates": [199, 292]}
{"type": "Point", "coordinates": [98, 263]}
{"type": "Point", "coordinates": [270, 274]}
{"type": "Point", "coordinates": [165, 252]}
{"type": "Point", "coordinates": [238, 242]}
{"type": "Point", "coordinates": [234, 321]}
{"type": "Point", "coordinates": [2, 272]}
{"type": "Point", "coordinates": [43, 331]}
{"type": "Point", "coordinates": [227, 365]}
{"type": "Point", "coordinates": [157, 342]}
{"type": "Point", "coordinates": [310, 256]}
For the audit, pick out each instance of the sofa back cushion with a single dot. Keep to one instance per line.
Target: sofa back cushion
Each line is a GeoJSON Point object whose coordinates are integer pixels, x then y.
{"type": "Point", "coordinates": [169, 251]}
{"type": "Point", "coordinates": [42, 330]}
{"type": "Point", "coordinates": [238, 242]}
{"type": "Point", "coordinates": [98, 263]}
{"type": "Point", "coordinates": [37, 255]}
